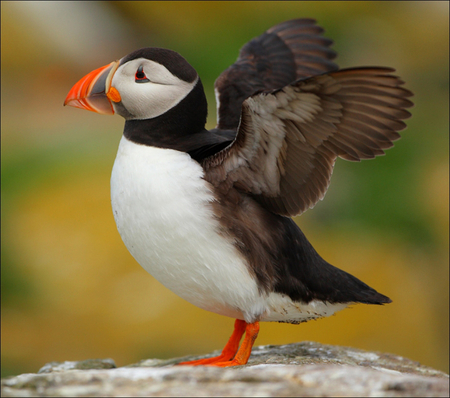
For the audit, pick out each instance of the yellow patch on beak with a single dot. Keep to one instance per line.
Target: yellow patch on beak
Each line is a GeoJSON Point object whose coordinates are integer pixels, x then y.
{"type": "Point", "coordinates": [113, 95]}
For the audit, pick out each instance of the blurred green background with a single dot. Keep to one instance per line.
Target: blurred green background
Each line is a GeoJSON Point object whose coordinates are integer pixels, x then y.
{"type": "Point", "coordinates": [71, 291]}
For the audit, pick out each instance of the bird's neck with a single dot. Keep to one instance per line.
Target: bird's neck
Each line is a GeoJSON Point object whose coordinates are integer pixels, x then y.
{"type": "Point", "coordinates": [175, 128]}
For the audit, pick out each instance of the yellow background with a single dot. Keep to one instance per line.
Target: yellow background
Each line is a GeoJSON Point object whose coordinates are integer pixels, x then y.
{"type": "Point", "coordinates": [70, 289]}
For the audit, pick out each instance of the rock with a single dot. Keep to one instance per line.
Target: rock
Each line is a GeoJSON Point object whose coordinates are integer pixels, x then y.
{"type": "Point", "coordinates": [302, 369]}
{"type": "Point", "coordinates": [82, 365]}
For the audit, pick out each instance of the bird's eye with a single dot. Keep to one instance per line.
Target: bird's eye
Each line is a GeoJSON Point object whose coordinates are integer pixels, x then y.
{"type": "Point", "coordinates": [140, 76]}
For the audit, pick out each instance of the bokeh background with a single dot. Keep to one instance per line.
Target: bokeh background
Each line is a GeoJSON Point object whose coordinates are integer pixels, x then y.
{"type": "Point", "coordinates": [71, 291]}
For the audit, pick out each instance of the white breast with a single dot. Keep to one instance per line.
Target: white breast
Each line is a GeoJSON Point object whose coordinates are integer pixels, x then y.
{"type": "Point", "coordinates": [162, 209]}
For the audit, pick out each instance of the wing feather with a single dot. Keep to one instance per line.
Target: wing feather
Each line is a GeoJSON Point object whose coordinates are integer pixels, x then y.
{"type": "Point", "coordinates": [288, 139]}
{"type": "Point", "coordinates": [286, 52]}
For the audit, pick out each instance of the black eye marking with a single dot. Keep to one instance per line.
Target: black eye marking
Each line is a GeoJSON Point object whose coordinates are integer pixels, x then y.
{"type": "Point", "coordinates": [140, 76]}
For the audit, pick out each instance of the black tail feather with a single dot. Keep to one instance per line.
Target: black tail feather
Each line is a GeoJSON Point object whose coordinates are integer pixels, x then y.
{"type": "Point", "coordinates": [304, 276]}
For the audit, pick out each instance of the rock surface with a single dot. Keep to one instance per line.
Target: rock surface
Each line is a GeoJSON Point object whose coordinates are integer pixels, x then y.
{"type": "Point", "coordinates": [302, 369]}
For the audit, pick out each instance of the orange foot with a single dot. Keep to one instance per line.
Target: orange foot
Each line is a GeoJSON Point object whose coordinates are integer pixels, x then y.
{"type": "Point", "coordinates": [230, 351]}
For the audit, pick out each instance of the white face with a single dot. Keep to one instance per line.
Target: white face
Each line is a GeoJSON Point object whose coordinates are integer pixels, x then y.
{"type": "Point", "coordinates": [148, 99]}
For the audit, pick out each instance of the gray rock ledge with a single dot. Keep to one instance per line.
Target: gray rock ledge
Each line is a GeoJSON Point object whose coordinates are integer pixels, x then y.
{"type": "Point", "coordinates": [301, 369]}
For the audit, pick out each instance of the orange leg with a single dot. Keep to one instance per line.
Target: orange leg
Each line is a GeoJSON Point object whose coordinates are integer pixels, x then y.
{"type": "Point", "coordinates": [228, 352]}
{"type": "Point", "coordinates": [242, 356]}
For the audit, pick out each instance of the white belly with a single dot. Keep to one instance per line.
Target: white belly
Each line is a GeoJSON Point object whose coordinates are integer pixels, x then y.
{"type": "Point", "coordinates": [162, 209]}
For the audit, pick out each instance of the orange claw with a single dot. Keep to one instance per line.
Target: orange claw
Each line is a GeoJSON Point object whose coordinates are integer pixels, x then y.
{"type": "Point", "coordinates": [225, 359]}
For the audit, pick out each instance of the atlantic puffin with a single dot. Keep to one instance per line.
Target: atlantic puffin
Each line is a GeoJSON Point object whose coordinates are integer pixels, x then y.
{"type": "Point", "coordinates": [208, 212]}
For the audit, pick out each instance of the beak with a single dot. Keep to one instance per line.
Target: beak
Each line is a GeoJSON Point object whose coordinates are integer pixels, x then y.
{"type": "Point", "coordinates": [94, 92]}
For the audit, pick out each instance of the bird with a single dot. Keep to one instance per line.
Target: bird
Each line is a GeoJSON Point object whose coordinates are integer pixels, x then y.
{"type": "Point", "coordinates": [208, 213]}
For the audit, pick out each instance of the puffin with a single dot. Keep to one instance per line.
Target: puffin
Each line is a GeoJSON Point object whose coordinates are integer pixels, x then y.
{"type": "Point", "coordinates": [208, 213]}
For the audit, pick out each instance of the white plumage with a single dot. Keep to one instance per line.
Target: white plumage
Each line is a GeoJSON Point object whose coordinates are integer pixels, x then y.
{"type": "Point", "coordinates": [157, 96]}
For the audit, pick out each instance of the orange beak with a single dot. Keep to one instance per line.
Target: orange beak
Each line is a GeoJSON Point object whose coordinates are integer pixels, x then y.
{"type": "Point", "coordinates": [94, 92]}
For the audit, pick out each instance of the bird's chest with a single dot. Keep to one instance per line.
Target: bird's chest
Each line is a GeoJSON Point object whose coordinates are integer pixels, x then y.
{"type": "Point", "coordinates": [162, 208]}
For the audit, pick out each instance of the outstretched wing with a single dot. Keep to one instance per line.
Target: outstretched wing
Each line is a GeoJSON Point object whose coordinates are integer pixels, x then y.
{"type": "Point", "coordinates": [288, 139]}
{"type": "Point", "coordinates": [286, 52]}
